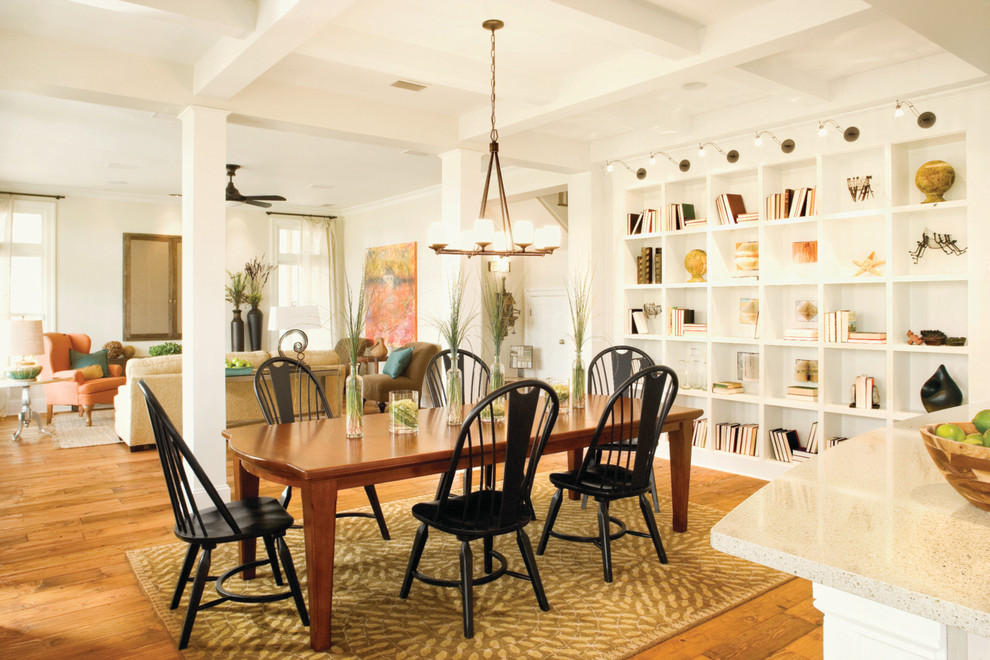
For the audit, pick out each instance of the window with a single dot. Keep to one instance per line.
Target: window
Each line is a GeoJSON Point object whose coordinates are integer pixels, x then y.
{"type": "Point", "coordinates": [29, 250]}
{"type": "Point", "coordinates": [304, 249]}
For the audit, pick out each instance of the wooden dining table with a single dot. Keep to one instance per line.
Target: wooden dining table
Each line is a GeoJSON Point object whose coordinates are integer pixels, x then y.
{"type": "Point", "coordinates": [317, 458]}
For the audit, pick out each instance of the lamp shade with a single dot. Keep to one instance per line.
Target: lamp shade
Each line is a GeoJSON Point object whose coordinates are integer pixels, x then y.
{"type": "Point", "coordinates": [26, 337]}
{"type": "Point", "coordinates": [294, 316]}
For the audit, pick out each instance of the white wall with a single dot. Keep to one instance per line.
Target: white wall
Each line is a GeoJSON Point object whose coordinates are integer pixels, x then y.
{"type": "Point", "coordinates": [90, 258]}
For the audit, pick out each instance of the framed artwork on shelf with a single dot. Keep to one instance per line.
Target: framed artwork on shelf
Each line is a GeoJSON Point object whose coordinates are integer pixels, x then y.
{"type": "Point", "coordinates": [748, 366]}
{"type": "Point", "coordinates": [749, 310]}
{"type": "Point", "coordinates": [806, 371]}
{"type": "Point", "coordinates": [804, 252]}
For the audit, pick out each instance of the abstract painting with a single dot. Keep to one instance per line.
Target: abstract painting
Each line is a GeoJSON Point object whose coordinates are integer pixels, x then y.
{"type": "Point", "coordinates": [390, 293]}
{"type": "Point", "coordinates": [804, 252]}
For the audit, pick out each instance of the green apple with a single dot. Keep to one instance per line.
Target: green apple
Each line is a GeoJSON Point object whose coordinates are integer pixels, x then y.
{"type": "Point", "coordinates": [950, 431]}
{"type": "Point", "coordinates": [986, 439]}
{"type": "Point", "coordinates": [982, 421]}
{"type": "Point", "coordinates": [973, 439]}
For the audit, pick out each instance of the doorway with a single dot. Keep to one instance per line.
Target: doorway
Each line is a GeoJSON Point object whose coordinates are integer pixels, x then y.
{"type": "Point", "coordinates": [547, 330]}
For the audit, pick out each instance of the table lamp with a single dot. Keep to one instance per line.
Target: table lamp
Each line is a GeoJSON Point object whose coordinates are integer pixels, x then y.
{"type": "Point", "coordinates": [26, 341]}
{"type": "Point", "coordinates": [292, 318]}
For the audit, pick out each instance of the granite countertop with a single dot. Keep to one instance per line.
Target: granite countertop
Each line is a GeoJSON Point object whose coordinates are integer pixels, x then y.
{"type": "Point", "coordinates": [874, 517]}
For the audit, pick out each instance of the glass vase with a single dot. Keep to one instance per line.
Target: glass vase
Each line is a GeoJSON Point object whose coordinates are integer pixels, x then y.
{"type": "Point", "coordinates": [403, 411]}
{"type": "Point", "coordinates": [562, 386]}
{"type": "Point", "coordinates": [496, 380]}
{"type": "Point", "coordinates": [455, 396]}
{"type": "Point", "coordinates": [696, 376]}
{"type": "Point", "coordinates": [578, 387]}
{"type": "Point", "coordinates": [354, 400]}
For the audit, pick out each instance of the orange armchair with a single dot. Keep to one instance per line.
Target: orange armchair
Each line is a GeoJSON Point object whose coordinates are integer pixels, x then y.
{"type": "Point", "coordinates": [75, 391]}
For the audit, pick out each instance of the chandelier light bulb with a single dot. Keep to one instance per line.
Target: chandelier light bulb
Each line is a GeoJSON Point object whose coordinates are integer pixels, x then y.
{"type": "Point", "coordinates": [522, 233]}
{"type": "Point", "coordinates": [436, 235]}
{"type": "Point", "coordinates": [484, 232]}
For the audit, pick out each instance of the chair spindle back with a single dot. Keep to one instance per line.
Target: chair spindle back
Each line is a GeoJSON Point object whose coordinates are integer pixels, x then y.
{"type": "Point", "coordinates": [287, 392]}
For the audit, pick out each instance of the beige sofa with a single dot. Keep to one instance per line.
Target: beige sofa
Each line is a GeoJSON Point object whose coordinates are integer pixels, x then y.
{"type": "Point", "coordinates": [164, 376]}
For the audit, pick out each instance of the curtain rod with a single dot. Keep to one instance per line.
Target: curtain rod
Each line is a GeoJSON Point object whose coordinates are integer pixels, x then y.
{"type": "Point", "coordinates": [303, 215]}
{"type": "Point", "coordinates": [4, 192]}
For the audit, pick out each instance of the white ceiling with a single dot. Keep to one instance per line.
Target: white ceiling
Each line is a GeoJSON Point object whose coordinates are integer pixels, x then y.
{"type": "Point", "coordinates": [90, 89]}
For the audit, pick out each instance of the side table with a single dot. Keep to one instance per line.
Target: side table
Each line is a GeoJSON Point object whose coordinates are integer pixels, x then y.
{"type": "Point", "coordinates": [370, 362]}
{"type": "Point", "coordinates": [26, 414]}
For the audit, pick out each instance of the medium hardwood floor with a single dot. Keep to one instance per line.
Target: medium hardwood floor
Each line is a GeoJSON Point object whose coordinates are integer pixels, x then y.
{"type": "Point", "coordinates": [67, 591]}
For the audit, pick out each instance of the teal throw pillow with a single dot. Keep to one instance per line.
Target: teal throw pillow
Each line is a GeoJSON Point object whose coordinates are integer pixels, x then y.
{"type": "Point", "coordinates": [397, 362]}
{"type": "Point", "coordinates": [79, 360]}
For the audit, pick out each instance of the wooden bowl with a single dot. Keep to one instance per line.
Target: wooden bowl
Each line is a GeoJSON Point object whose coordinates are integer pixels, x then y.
{"type": "Point", "coordinates": [965, 467]}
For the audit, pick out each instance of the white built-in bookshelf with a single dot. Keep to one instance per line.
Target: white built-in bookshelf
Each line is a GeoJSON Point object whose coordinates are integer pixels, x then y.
{"type": "Point", "coordinates": [932, 293]}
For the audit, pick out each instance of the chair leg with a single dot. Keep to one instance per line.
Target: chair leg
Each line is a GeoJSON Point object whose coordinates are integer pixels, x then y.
{"type": "Point", "coordinates": [292, 579]}
{"type": "Point", "coordinates": [51, 411]}
{"type": "Point", "coordinates": [467, 590]}
{"type": "Point", "coordinates": [381, 406]}
{"type": "Point", "coordinates": [522, 539]}
{"type": "Point", "coordinates": [551, 518]}
{"type": "Point", "coordinates": [195, 596]}
{"type": "Point", "coordinates": [286, 497]}
{"type": "Point", "coordinates": [187, 565]}
{"type": "Point", "coordinates": [377, 508]}
{"type": "Point", "coordinates": [653, 492]}
{"type": "Point", "coordinates": [651, 524]}
{"type": "Point", "coordinates": [489, 543]}
{"type": "Point", "coordinates": [584, 501]}
{"type": "Point", "coordinates": [604, 538]}
{"type": "Point", "coordinates": [273, 559]}
{"type": "Point", "coordinates": [87, 411]}
{"type": "Point", "coordinates": [414, 556]}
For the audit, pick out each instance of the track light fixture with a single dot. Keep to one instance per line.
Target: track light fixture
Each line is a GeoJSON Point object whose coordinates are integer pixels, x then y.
{"type": "Point", "coordinates": [925, 119]}
{"type": "Point", "coordinates": [683, 166]}
{"type": "Point", "coordinates": [732, 156]}
{"type": "Point", "coordinates": [787, 146]}
{"type": "Point", "coordinates": [610, 167]}
{"type": "Point", "coordinates": [850, 134]}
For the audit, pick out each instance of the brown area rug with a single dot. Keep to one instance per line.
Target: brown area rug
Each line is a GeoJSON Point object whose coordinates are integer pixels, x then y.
{"type": "Point", "coordinates": [647, 602]}
{"type": "Point", "coordinates": [71, 431]}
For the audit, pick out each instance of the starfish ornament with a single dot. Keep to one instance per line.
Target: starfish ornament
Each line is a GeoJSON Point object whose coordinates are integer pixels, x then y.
{"type": "Point", "coordinates": [869, 265]}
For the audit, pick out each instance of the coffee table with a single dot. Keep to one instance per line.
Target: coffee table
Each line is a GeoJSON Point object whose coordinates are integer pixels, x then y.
{"type": "Point", "coordinates": [319, 460]}
{"type": "Point", "coordinates": [26, 414]}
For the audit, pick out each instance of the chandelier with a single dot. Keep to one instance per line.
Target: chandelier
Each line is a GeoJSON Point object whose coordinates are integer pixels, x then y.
{"type": "Point", "coordinates": [521, 240]}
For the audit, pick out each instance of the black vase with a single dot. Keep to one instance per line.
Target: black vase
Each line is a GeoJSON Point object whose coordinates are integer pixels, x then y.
{"type": "Point", "coordinates": [940, 391]}
{"type": "Point", "coordinates": [254, 318]}
{"type": "Point", "coordinates": [237, 332]}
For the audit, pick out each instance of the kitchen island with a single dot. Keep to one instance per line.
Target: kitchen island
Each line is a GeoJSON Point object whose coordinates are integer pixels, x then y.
{"type": "Point", "coordinates": [900, 562]}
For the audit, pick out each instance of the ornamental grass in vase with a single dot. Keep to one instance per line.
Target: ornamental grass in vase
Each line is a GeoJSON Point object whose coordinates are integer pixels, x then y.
{"type": "Point", "coordinates": [494, 299]}
{"type": "Point", "coordinates": [354, 384]}
{"type": "Point", "coordinates": [579, 302]}
{"type": "Point", "coordinates": [453, 331]}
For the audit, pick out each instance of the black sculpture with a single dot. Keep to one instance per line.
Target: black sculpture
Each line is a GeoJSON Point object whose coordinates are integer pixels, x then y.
{"type": "Point", "coordinates": [940, 391]}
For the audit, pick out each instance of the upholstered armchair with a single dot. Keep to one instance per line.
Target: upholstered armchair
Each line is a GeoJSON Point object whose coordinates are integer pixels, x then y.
{"type": "Point", "coordinates": [377, 386]}
{"type": "Point", "coordinates": [342, 349]}
{"type": "Point", "coordinates": [81, 388]}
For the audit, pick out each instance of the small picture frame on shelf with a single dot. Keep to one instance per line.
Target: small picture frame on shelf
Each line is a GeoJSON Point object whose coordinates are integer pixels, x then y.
{"type": "Point", "coordinates": [748, 366]}
{"type": "Point", "coordinates": [806, 371]}
{"type": "Point", "coordinates": [749, 310]}
{"type": "Point", "coordinates": [804, 252]}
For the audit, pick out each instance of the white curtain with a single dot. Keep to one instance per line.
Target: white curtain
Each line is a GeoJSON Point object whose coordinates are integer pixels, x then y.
{"type": "Point", "coordinates": [319, 275]}
{"type": "Point", "coordinates": [6, 213]}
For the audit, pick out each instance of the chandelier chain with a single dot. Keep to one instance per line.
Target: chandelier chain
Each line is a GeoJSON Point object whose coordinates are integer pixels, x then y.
{"type": "Point", "coordinates": [494, 133]}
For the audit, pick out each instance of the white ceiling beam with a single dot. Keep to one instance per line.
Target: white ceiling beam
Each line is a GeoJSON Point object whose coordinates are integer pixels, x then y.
{"type": "Point", "coordinates": [959, 26]}
{"type": "Point", "coordinates": [282, 26]}
{"type": "Point", "coordinates": [777, 79]}
{"type": "Point", "coordinates": [767, 29]}
{"type": "Point", "coordinates": [408, 61]}
{"type": "Point", "coordinates": [649, 28]}
{"type": "Point", "coordinates": [231, 18]}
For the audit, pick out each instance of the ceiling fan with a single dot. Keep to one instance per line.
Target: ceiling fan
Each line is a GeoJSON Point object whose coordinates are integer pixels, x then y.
{"type": "Point", "coordinates": [234, 195]}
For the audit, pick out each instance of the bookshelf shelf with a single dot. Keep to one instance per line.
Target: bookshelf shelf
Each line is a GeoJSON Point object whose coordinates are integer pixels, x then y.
{"type": "Point", "coordinates": [807, 268]}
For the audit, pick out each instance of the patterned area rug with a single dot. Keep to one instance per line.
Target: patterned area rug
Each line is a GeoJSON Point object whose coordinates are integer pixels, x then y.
{"type": "Point", "coordinates": [647, 602]}
{"type": "Point", "coordinates": [71, 430]}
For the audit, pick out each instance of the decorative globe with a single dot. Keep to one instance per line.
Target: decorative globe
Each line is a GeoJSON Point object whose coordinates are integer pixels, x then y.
{"type": "Point", "coordinates": [696, 264]}
{"type": "Point", "coordinates": [934, 178]}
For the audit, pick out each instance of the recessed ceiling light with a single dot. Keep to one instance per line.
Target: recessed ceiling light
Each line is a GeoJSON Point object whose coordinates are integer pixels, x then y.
{"type": "Point", "coordinates": [693, 86]}
{"type": "Point", "coordinates": [409, 85]}
{"type": "Point", "coordinates": [320, 186]}
{"type": "Point", "coordinates": [121, 166]}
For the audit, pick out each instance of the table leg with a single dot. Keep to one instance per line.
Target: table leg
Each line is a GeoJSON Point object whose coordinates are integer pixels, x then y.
{"type": "Point", "coordinates": [574, 458]}
{"type": "Point", "coordinates": [680, 472]}
{"type": "Point", "coordinates": [245, 486]}
{"type": "Point", "coordinates": [319, 500]}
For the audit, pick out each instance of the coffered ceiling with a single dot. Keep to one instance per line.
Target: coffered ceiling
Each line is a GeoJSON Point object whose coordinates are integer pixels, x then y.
{"type": "Point", "coordinates": [90, 89]}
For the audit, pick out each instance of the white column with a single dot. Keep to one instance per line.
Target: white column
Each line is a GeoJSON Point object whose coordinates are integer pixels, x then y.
{"type": "Point", "coordinates": [204, 152]}
{"type": "Point", "coordinates": [589, 245]}
{"type": "Point", "coordinates": [461, 182]}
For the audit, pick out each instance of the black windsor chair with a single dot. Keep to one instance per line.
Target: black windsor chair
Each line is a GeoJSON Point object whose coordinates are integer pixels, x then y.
{"type": "Point", "coordinates": [618, 462]}
{"type": "Point", "coordinates": [475, 377]}
{"type": "Point", "coordinates": [206, 528]}
{"type": "Point", "coordinates": [490, 506]}
{"type": "Point", "coordinates": [610, 369]}
{"type": "Point", "coordinates": [287, 392]}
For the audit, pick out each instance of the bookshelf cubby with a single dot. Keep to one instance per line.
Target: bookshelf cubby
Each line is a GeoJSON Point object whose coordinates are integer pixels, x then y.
{"type": "Point", "coordinates": [807, 262]}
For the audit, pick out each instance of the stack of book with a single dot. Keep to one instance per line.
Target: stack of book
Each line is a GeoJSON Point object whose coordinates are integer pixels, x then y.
{"type": "Point", "coordinates": [727, 387]}
{"type": "Point", "coordinates": [695, 222]}
{"type": "Point", "coordinates": [648, 266]}
{"type": "Point", "coordinates": [834, 440]}
{"type": "Point", "coordinates": [644, 222]}
{"type": "Point", "coordinates": [677, 216]}
{"type": "Point", "coordinates": [792, 203]}
{"type": "Point", "coordinates": [677, 318]}
{"type": "Point", "coordinates": [736, 438]}
{"type": "Point", "coordinates": [787, 446]}
{"type": "Point", "coordinates": [839, 324]}
{"type": "Point", "coordinates": [729, 206]}
{"type": "Point", "coordinates": [801, 334]}
{"type": "Point", "coordinates": [700, 436]}
{"type": "Point", "coordinates": [748, 217]}
{"type": "Point", "coordinates": [867, 338]}
{"type": "Point", "coordinates": [863, 393]}
{"type": "Point", "coordinates": [802, 392]}
{"type": "Point", "coordinates": [694, 329]}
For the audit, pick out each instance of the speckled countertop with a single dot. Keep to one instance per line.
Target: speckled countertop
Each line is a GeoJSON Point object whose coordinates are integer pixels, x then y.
{"type": "Point", "coordinates": [874, 517]}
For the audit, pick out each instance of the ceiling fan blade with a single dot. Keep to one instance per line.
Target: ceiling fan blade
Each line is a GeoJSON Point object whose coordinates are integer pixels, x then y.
{"type": "Point", "coordinates": [254, 202]}
{"type": "Point", "coordinates": [270, 198]}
